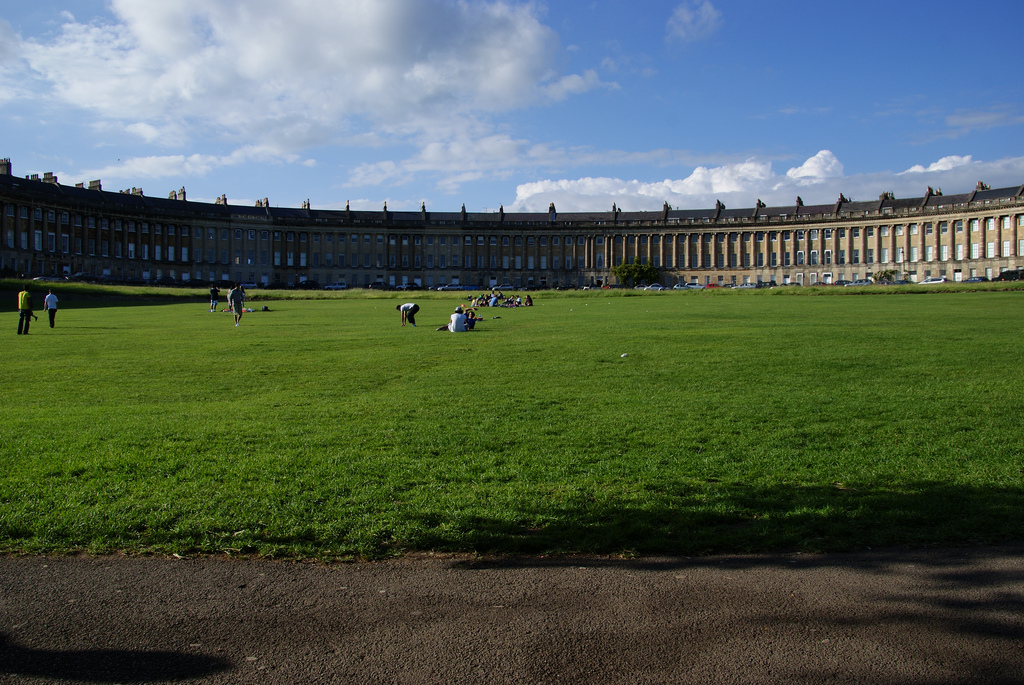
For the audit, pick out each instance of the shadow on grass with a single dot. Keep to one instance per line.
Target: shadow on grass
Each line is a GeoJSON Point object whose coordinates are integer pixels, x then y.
{"type": "Point", "coordinates": [105, 665]}
{"type": "Point", "coordinates": [737, 518]}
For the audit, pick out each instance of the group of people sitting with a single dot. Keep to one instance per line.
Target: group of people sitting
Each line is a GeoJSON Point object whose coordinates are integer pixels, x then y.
{"type": "Point", "coordinates": [497, 299]}
{"type": "Point", "coordinates": [461, 320]}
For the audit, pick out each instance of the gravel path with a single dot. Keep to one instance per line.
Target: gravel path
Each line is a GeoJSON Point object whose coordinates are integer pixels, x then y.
{"type": "Point", "coordinates": [949, 616]}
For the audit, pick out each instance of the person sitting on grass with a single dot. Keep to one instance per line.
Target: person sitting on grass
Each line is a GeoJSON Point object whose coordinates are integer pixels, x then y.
{"type": "Point", "coordinates": [457, 324]}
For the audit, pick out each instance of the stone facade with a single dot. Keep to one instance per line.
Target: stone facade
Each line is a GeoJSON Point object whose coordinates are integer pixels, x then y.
{"type": "Point", "coordinates": [51, 229]}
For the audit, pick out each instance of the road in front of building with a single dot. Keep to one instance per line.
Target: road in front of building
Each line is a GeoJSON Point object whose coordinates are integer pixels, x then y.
{"type": "Point", "coordinates": [950, 616]}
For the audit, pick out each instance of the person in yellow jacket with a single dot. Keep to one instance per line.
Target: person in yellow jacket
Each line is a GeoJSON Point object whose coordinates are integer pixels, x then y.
{"type": "Point", "coordinates": [24, 311]}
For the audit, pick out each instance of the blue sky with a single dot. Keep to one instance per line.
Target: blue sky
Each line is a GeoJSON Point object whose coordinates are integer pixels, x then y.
{"type": "Point", "coordinates": [517, 104]}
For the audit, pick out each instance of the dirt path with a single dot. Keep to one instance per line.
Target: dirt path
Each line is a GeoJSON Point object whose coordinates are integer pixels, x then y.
{"type": "Point", "coordinates": [951, 616]}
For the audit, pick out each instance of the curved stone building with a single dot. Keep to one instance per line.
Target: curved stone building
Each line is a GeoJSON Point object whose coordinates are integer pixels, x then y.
{"type": "Point", "coordinates": [51, 229]}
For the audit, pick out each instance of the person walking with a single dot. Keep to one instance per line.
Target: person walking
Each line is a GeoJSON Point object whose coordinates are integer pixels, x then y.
{"type": "Point", "coordinates": [214, 298]}
{"type": "Point", "coordinates": [50, 305]}
{"type": "Point", "coordinates": [237, 299]}
{"type": "Point", "coordinates": [24, 311]}
{"type": "Point", "coordinates": [408, 311]}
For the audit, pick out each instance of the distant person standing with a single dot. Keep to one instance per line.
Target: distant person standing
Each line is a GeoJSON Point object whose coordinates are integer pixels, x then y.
{"type": "Point", "coordinates": [24, 311]}
{"type": "Point", "coordinates": [237, 299]}
{"type": "Point", "coordinates": [214, 298]}
{"type": "Point", "coordinates": [50, 305]}
{"type": "Point", "coordinates": [408, 311]}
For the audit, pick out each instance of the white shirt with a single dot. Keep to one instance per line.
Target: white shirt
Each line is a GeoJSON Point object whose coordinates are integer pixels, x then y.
{"type": "Point", "coordinates": [458, 324]}
{"type": "Point", "coordinates": [50, 301]}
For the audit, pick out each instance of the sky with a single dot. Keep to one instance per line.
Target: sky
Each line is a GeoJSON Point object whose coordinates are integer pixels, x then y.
{"type": "Point", "coordinates": [515, 104]}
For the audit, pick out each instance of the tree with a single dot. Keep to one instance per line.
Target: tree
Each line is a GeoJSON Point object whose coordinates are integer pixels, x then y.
{"type": "Point", "coordinates": [635, 273]}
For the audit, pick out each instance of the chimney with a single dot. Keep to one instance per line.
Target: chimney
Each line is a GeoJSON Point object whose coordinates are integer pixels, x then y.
{"type": "Point", "coordinates": [95, 185]}
{"type": "Point", "coordinates": [48, 177]}
{"type": "Point", "coordinates": [5, 166]}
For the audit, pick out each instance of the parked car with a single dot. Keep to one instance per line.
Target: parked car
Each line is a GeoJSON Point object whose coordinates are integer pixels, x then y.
{"type": "Point", "coordinates": [163, 280]}
{"type": "Point", "coordinates": [744, 286]}
{"type": "Point", "coordinates": [50, 279]}
{"type": "Point", "coordinates": [308, 285]}
{"type": "Point", "coordinates": [657, 287]}
{"type": "Point", "coordinates": [976, 279]}
{"type": "Point", "coordinates": [932, 280]}
{"type": "Point", "coordinates": [860, 281]}
{"type": "Point", "coordinates": [336, 286]}
{"type": "Point", "coordinates": [1011, 275]}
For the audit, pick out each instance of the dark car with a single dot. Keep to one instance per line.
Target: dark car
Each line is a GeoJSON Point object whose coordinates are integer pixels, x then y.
{"type": "Point", "coordinates": [976, 279]}
{"type": "Point", "coordinates": [308, 285]}
{"type": "Point", "coordinates": [1012, 275]}
{"type": "Point", "coordinates": [276, 285]}
{"type": "Point", "coordinates": [163, 280]}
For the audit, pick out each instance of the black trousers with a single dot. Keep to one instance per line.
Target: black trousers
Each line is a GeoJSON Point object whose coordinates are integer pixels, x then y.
{"type": "Point", "coordinates": [24, 320]}
{"type": "Point", "coordinates": [410, 315]}
{"type": "Point", "coordinates": [53, 315]}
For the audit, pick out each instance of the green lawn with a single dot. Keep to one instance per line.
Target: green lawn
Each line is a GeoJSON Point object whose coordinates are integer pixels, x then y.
{"type": "Point", "coordinates": [736, 422]}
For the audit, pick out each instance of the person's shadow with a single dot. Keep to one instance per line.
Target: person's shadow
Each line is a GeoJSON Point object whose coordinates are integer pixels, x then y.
{"type": "Point", "coordinates": [105, 665]}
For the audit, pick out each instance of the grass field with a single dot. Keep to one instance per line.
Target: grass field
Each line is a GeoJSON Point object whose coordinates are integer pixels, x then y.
{"type": "Point", "coordinates": [322, 428]}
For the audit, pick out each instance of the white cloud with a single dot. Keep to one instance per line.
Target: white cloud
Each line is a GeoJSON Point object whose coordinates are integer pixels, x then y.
{"type": "Point", "coordinates": [185, 166]}
{"type": "Point", "coordinates": [290, 74]}
{"type": "Point", "coordinates": [741, 185]}
{"type": "Point", "coordinates": [693, 20]}
{"type": "Point", "coordinates": [944, 164]}
{"type": "Point", "coordinates": [816, 169]}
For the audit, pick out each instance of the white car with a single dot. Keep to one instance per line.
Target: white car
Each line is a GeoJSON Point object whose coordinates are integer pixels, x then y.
{"type": "Point", "coordinates": [336, 286]}
{"type": "Point", "coordinates": [932, 280]}
{"type": "Point", "coordinates": [656, 286]}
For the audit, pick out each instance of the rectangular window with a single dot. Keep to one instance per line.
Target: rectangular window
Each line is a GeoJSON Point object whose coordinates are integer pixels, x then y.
{"type": "Point", "coordinates": [1006, 248]}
